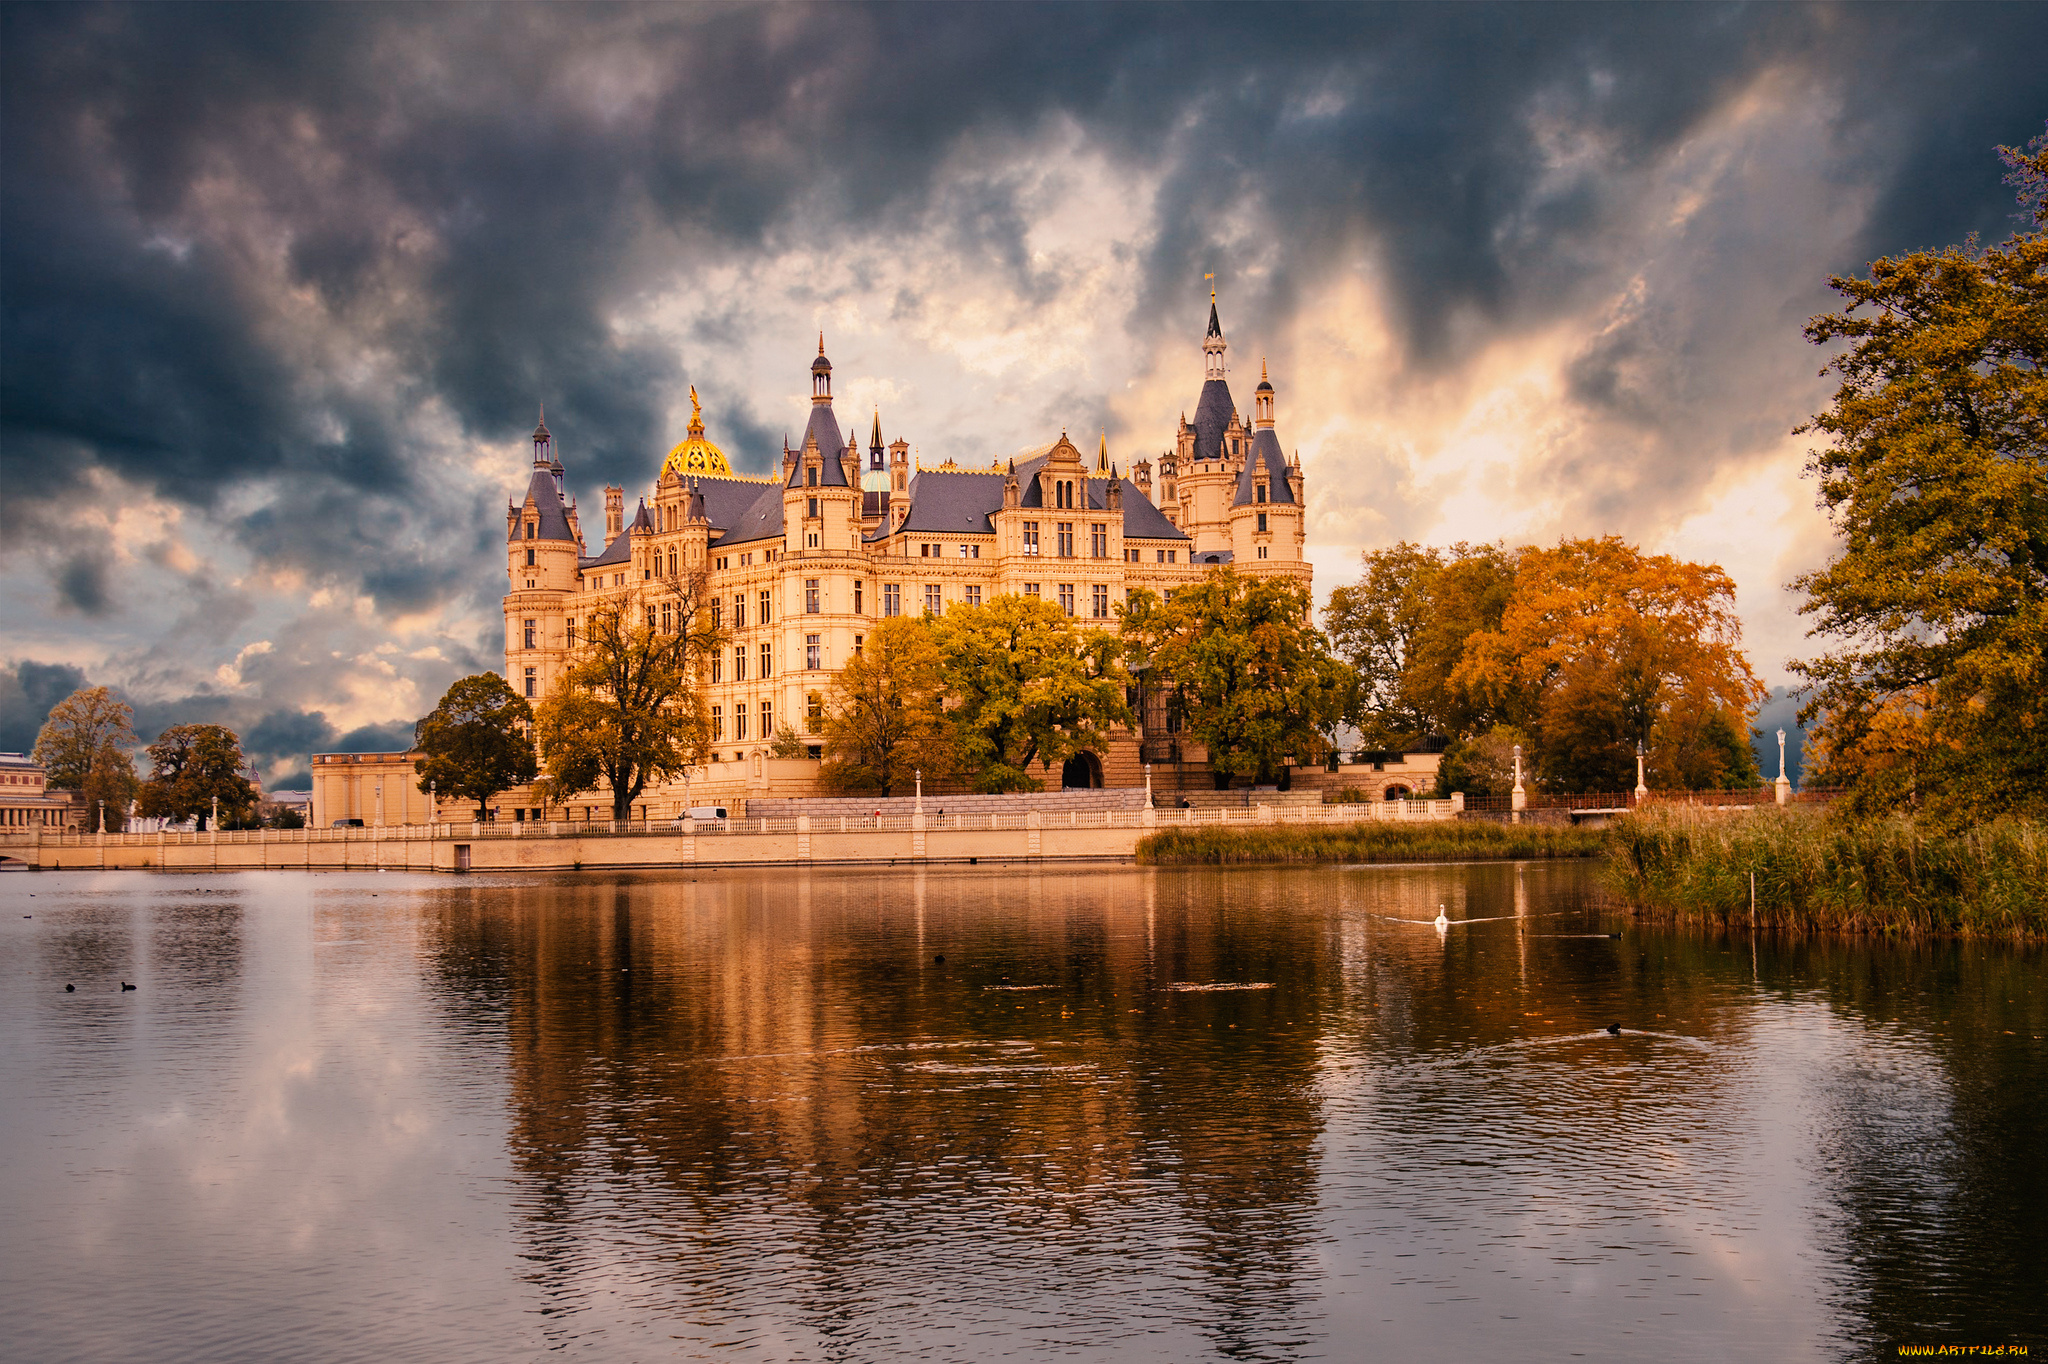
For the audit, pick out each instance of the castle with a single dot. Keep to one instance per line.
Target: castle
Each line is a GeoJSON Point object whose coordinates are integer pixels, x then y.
{"type": "Point", "coordinates": [800, 565]}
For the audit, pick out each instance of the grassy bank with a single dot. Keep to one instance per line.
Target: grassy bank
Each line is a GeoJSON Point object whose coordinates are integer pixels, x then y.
{"type": "Point", "coordinates": [1370, 841]}
{"type": "Point", "coordinates": [1814, 873]}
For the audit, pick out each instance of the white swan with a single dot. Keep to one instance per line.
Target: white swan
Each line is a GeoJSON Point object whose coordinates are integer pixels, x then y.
{"type": "Point", "coordinates": [1440, 921]}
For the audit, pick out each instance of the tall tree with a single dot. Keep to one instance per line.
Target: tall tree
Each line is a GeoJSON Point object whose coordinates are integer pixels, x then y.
{"type": "Point", "coordinates": [85, 745]}
{"type": "Point", "coordinates": [887, 716]}
{"type": "Point", "coordinates": [477, 742]}
{"type": "Point", "coordinates": [1404, 627]}
{"type": "Point", "coordinates": [1028, 686]}
{"type": "Point", "coordinates": [1603, 648]}
{"type": "Point", "coordinates": [192, 766]}
{"type": "Point", "coordinates": [1935, 475]}
{"type": "Point", "coordinates": [1372, 625]}
{"type": "Point", "coordinates": [630, 708]}
{"type": "Point", "coordinates": [1256, 680]}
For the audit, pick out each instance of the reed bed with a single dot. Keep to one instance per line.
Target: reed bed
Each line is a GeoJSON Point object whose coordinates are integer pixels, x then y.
{"type": "Point", "coordinates": [1366, 841]}
{"type": "Point", "coordinates": [1815, 873]}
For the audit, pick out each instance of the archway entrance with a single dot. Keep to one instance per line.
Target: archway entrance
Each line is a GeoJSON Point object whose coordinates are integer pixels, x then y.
{"type": "Point", "coordinates": [1083, 771]}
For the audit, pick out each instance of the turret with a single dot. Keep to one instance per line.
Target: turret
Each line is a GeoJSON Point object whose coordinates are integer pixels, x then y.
{"type": "Point", "coordinates": [614, 512]}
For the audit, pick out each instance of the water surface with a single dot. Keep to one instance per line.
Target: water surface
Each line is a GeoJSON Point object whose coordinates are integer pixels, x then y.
{"type": "Point", "coordinates": [997, 1115]}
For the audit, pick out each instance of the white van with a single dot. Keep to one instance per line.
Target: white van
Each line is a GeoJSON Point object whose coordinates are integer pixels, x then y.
{"type": "Point", "coordinates": [707, 812]}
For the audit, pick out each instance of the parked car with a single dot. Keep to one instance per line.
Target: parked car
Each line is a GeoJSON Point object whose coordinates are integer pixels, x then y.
{"type": "Point", "coordinates": [348, 824]}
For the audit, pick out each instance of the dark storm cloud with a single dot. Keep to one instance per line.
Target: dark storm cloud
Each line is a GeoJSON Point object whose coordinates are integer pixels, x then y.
{"type": "Point", "coordinates": [27, 692]}
{"type": "Point", "coordinates": [243, 248]}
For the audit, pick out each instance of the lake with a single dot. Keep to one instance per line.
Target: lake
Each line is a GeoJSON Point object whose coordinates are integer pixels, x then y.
{"type": "Point", "coordinates": [998, 1114]}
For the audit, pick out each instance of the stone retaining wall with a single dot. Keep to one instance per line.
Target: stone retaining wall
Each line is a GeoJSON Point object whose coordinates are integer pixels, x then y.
{"type": "Point", "coordinates": [1015, 803]}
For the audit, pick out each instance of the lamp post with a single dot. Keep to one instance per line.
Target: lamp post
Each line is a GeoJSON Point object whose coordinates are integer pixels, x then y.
{"type": "Point", "coordinates": [216, 815]}
{"type": "Point", "coordinates": [103, 804]}
{"type": "Point", "coordinates": [1642, 789]}
{"type": "Point", "coordinates": [433, 805]}
{"type": "Point", "coordinates": [1784, 783]}
{"type": "Point", "coordinates": [918, 807]}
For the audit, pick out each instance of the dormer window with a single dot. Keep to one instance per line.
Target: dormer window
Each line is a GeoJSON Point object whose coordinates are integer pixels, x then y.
{"type": "Point", "coordinates": [1262, 492]}
{"type": "Point", "coordinates": [811, 479]}
{"type": "Point", "coordinates": [529, 530]}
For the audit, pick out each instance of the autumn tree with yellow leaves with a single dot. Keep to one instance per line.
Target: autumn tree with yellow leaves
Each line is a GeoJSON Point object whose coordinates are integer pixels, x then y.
{"type": "Point", "coordinates": [1933, 692]}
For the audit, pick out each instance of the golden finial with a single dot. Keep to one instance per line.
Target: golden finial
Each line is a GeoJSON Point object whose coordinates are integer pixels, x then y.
{"type": "Point", "coordinates": [821, 342]}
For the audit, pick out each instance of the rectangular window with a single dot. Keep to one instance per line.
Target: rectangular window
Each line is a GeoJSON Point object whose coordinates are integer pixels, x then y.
{"type": "Point", "coordinates": [767, 719]}
{"type": "Point", "coordinates": [974, 594]}
{"type": "Point", "coordinates": [529, 558]}
{"type": "Point", "coordinates": [1262, 521]}
{"type": "Point", "coordinates": [1099, 595]}
{"type": "Point", "coordinates": [572, 632]}
{"type": "Point", "coordinates": [718, 667]}
{"type": "Point", "coordinates": [810, 596]}
{"type": "Point", "coordinates": [739, 721]}
{"type": "Point", "coordinates": [812, 650]}
{"type": "Point", "coordinates": [650, 620]}
{"type": "Point", "coordinates": [739, 662]}
{"type": "Point", "coordinates": [665, 619]}
{"type": "Point", "coordinates": [530, 682]}
{"type": "Point", "coordinates": [718, 722]}
{"type": "Point", "coordinates": [739, 610]}
{"type": "Point", "coordinates": [717, 614]}
{"type": "Point", "coordinates": [1031, 589]}
{"type": "Point", "coordinates": [767, 661]}
{"type": "Point", "coordinates": [892, 599]}
{"type": "Point", "coordinates": [814, 714]}
{"type": "Point", "coordinates": [1067, 598]}
{"type": "Point", "coordinates": [1262, 551]}
{"type": "Point", "coordinates": [859, 609]}
{"type": "Point", "coordinates": [529, 634]}
{"type": "Point", "coordinates": [1031, 537]}
{"type": "Point", "coordinates": [1066, 533]}
{"type": "Point", "coordinates": [858, 640]}
{"type": "Point", "coordinates": [970, 551]}
{"type": "Point", "coordinates": [1098, 541]}
{"type": "Point", "coordinates": [934, 599]}
{"type": "Point", "coordinates": [1262, 493]}
{"type": "Point", "coordinates": [767, 612]}
{"type": "Point", "coordinates": [811, 481]}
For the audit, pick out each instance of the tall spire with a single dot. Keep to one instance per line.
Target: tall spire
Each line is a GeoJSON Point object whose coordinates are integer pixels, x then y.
{"type": "Point", "coordinates": [1213, 344]}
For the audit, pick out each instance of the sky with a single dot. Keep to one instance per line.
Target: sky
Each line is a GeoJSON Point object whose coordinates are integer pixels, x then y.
{"type": "Point", "coordinates": [283, 288]}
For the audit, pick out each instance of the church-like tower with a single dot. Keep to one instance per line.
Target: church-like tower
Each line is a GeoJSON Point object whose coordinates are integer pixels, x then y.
{"type": "Point", "coordinates": [1227, 484]}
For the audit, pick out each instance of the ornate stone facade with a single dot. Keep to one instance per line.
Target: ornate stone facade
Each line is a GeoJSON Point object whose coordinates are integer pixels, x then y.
{"type": "Point", "coordinates": [802, 564]}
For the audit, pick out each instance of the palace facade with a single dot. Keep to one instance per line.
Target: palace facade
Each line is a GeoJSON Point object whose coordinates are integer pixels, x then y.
{"type": "Point", "coordinates": [803, 563]}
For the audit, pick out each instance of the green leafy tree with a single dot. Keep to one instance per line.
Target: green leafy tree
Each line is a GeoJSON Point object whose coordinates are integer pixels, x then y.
{"type": "Point", "coordinates": [1403, 628]}
{"type": "Point", "coordinates": [1255, 678]}
{"type": "Point", "coordinates": [85, 744]}
{"type": "Point", "coordinates": [887, 716]}
{"type": "Point", "coordinates": [477, 742]}
{"type": "Point", "coordinates": [1372, 625]}
{"type": "Point", "coordinates": [1480, 765]}
{"type": "Point", "coordinates": [1935, 475]}
{"type": "Point", "coordinates": [1028, 686]}
{"type": "Point", "coordinates": [629, 709]}
{"type": "Point", "coordinates": [191, 767]}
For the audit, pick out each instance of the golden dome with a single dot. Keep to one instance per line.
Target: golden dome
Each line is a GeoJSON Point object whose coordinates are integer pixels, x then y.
{"type": "Point", "coordinates": [696, 455]}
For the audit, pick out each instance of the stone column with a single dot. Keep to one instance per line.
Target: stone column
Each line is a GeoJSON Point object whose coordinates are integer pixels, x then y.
{"type": "Point", "coordinates": [1784, 784]}
{"type": "Point", "coordinates": [1519, 800]}
{"type": "Point", "coordinates": [917, 833]}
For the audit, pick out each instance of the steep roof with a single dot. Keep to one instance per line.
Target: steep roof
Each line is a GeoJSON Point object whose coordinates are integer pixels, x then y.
{"type": "Point", "coordinates": [824, 428]}
{"type": "Point", "coordinates": [950, 503]}
{"type": "Point", "coordinates": [619, 551]}
{"type": "Point", "coordinates": [1266, 455]}
{"type": "Point", "coordinates": [762, 520]}
{"type": "Point", "coordinates": [1213, 412]}
{"type": "Point", "coordinates": [547, 503]}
